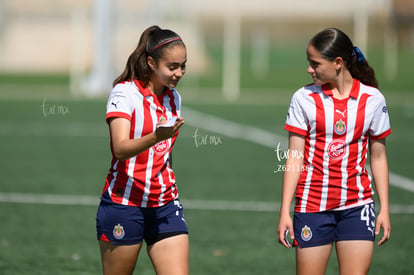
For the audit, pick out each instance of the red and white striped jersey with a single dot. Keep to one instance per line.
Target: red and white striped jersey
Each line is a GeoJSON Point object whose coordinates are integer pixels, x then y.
{"type": "Point", "coordinates": [336, 140]}
{"type": "Point", "coordinates": [145, 180]}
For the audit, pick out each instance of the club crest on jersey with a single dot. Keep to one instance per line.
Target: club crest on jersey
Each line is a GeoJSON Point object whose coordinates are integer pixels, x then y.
{"type": "Point", "coordinates": [118, 232]}
{"type": "Point", "coordinates": [162, 118]}
{"type": "Point", "coordinates": [161, 147]}
{"type": "Point", "coordinates": [306, 233]}
{"type": "Point", "coordinates": [340, 127]}
{"type": "Point", "coordinates": [336, 149]}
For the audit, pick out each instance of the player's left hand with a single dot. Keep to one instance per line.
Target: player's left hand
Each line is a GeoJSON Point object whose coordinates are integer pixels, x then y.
{"type": "Point", "coordinates": [285, 230]}
{"type": "Point", "coordinates": [168, 132]}
{"type": "Point", "coordinates": [383, 221]}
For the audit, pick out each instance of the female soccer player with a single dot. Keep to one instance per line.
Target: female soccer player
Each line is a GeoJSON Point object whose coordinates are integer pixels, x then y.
{"type": "Point", "coordinates": [140, 200]}
{"type": "Point", "coordinates": [332, 124]}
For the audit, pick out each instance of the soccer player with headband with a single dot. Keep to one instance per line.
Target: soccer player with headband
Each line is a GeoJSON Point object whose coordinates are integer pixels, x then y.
{"type": "Point", "coordinates": [139, 200]}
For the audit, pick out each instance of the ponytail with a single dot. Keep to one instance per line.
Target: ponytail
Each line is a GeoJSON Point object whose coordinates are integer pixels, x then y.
{"type": "Point", "coordinates": [151, 43]}
{"type": "Point", "coordinates": [361, 70]}
{"type": "Point", "coordinates": [333, 43]}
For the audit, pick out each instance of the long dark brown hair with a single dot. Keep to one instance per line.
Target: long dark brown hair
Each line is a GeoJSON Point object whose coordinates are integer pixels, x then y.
{"type": "Point", "coordinates": [333, 43]}
{"type": "Point", "coordinates": [151, 43]}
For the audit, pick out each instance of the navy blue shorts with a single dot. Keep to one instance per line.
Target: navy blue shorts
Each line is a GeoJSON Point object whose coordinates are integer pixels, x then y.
{"type": "Point", "coordinates": [315, 229]}
{"type": "Point", "coordinates": [122, 225]}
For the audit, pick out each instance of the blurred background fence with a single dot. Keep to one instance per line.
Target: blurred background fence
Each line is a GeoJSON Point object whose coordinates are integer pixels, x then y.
{"type": "Point", "coordinates": [90, 40]}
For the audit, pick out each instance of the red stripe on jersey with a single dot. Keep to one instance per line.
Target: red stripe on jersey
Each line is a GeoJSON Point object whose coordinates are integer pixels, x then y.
{"type": "Point", "coordinates": [158, 194]}
{"type": "Point", "coordinates": [295, 130]}
{"type": "Point", "coordinates": [317, 175]}
{"type": "Point", "coordinates": [145, 180]}
{"type": "Point", "coordinates": [304, 175]}
{"type": "Point", "coordinates": [357, 159]}
{"type": "Point", "coordinates": [138, 175]}
{"type": "Point", "coordinates": [317, 181]}
{"type": "Point", "coordinates": [132, 128]}
{"type": "Point", "coordinates": [117, 114]}
{"type": "Point", "coordinates": [383, 135]}
{"type": "Point", "coordinates": [172, 104]}
{"type": "Point", "coordinates": [336, 144]}
{"type": "Point", "coordinates": [339, 126]}
{"type": "Point", "coordinates": [119, 169]}
{"type": "Point", "coordinates": [144, 162]}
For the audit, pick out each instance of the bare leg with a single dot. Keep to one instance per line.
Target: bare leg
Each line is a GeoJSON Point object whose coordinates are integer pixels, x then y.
{"type": "Point", "coordinates": [170, 256]}
{"type": "Point", "coordinates": [354, 257]}
{"type": "Point", "coordinates": [119, 259]}
{"type": "Point", "coordinates": [312, 260]}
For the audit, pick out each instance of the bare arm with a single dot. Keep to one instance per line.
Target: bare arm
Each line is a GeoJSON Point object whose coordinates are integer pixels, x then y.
{"type": "Point", "coordinates": [124, 147]}
{"type": "Point", "coordinates": [294, 165]}
{"type": "Point", "coordinates": [379, 168]}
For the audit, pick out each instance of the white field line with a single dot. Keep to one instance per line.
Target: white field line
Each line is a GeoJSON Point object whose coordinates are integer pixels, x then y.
{"type": "Point", "coordinates": [233, 129]}
{"type": "Point", "coordinates": [210, 205]}
{"type": "Point", "coordinates": [262, 137]}
{"type": "Point", "coordinates": [193, 118]}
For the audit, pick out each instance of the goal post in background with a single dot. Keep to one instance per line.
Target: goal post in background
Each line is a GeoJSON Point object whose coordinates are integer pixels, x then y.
{"type": "Point", "coordinates": [100, 77]}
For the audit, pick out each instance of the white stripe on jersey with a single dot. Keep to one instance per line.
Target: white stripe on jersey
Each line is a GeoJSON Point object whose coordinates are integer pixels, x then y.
{"type": "Point", "coordinates": [145, 180]}
{"type": "Point", "coordinates": [127, 192]}
{"type": "Point", "coordinates": [128, 187]}
{"type": "Point", "coordinates": [112, 184]}
{"type": "Point", "coordinates": [163, 188]}
{"type": "Point", "coordinates": [306, 189]}
{"type": "Point", "coordinates": [336, 178]}
{"type": "Point", "coordinates": [148, 172]}
{"type": "Point", "coordinates": [328, 129]}
{"type": "Point", "coordinates": [161, 180]}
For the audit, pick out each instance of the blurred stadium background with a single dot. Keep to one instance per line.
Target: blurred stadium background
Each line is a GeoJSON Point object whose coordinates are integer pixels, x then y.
{"type": "Point", "coordinates": [89, 40]}
{"type": "Point", "coordinates": [245, 59]}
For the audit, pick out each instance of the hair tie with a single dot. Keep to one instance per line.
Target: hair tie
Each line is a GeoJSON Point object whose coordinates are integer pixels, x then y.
{"type": "Point", "coordinates": [162, 44]}
{"type": "Point", "coordinates": [358, 53]}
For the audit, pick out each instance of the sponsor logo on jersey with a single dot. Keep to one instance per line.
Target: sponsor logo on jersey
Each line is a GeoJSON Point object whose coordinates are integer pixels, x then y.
{"type": "Point", "coordinates": [161, 147]}
{"type": "Point", "coordinates": [162, 119]}
{"type": "Point", "coordinates": [341, 113]}
{"type": "Point", "coordinates": [115, 104]}
{"type": "Point", "coordinates": [340, 127]}
{"type": "Point", "coordinates": [118, 232]}
{"type": "Point", "coordinates": [306, 233]}
{"type": "Point", "coordinates": [336, 149]}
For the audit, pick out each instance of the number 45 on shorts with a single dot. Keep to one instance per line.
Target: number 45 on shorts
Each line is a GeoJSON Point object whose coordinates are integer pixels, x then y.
{"type": "Point", "coordinates": [368, 216]}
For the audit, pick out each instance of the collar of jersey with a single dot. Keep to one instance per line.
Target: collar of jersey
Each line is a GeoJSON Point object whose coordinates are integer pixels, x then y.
{"type": "Point", "coordinates": [354, 90]}
{"type": "Point", "coordinates": [146, 92]}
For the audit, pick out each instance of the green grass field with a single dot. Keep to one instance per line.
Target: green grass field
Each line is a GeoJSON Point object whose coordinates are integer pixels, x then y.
{"type": "Point", "coordinates": [57, 146]}
{"type": "Point", "coordinates": [68, 155]}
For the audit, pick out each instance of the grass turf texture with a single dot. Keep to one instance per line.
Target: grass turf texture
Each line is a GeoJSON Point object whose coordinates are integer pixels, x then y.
{"type": "Point", "coordinates": [54, 239]}
{"type": "Point", "coordinates": [68, 154]}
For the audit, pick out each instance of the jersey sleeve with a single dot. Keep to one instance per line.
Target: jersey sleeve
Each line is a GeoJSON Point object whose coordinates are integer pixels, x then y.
{"type": "Point", "coordinates": [118, 104]}
{"type": "Point", "coordinates": [296, 121]}
{"type": "Point", "coordinates": [380, 124]}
